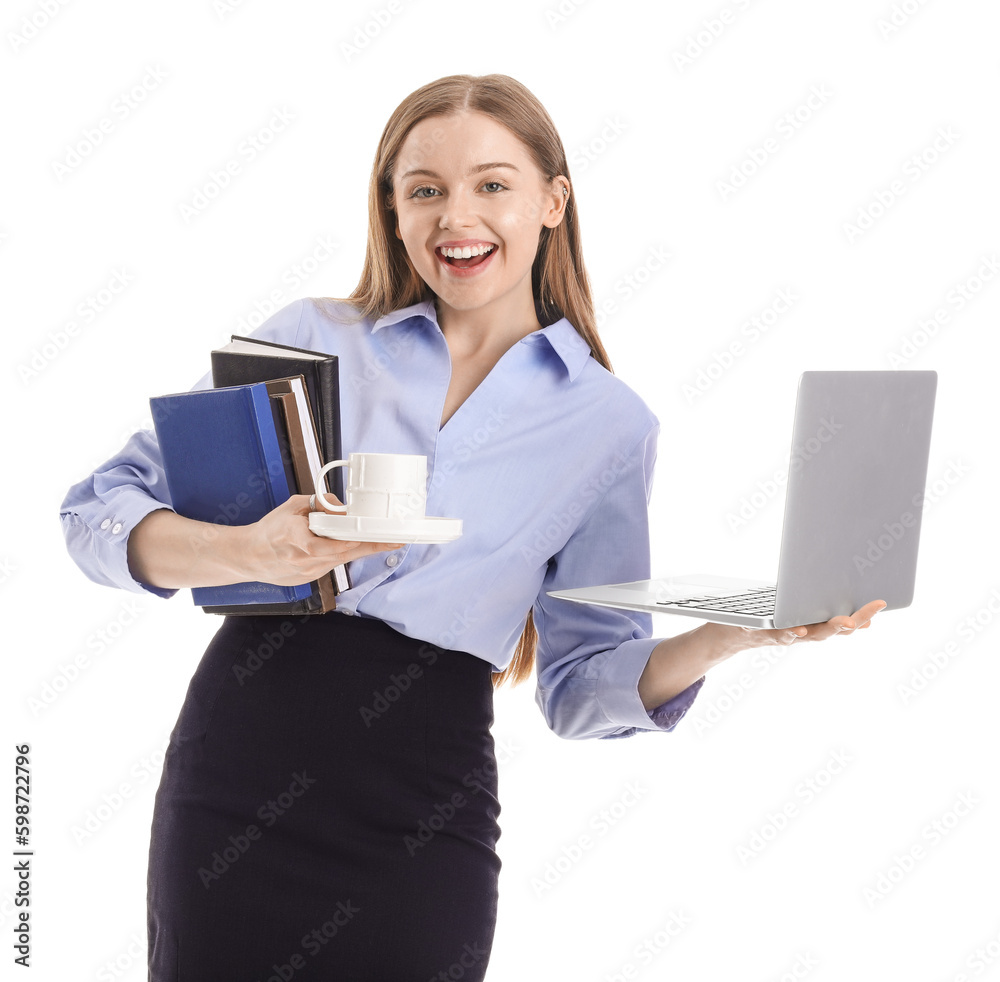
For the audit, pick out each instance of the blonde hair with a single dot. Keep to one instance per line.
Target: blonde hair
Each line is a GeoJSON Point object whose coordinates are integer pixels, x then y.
{"type": "Point", "coordinates": [559, 280]}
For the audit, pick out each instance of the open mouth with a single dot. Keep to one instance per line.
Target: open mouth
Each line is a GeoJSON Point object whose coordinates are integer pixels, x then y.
{"type": "Point", "coordinates": [477, 256]}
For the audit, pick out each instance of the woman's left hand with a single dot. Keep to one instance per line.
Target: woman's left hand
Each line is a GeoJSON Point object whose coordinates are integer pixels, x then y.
{"type": "Point", "coordinates": [677, 662]}
{"type": "Point", "coordinates": [840, 625]}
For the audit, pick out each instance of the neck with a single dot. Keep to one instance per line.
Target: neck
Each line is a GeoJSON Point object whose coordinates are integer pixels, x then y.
{"type": "Point", "coordinates": [484, 329]}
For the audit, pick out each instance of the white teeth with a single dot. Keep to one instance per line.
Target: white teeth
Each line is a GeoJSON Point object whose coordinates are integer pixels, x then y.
{"type": "Point", "coordinates": [467, 252]}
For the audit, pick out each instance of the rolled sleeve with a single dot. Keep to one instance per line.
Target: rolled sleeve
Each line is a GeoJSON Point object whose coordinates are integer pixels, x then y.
{"type": "Point", "coordinates": [99, 513]}
{"type": "Point", "coordinates": [590, 658]}
{"type": "Point", "coordinates": [618, 695]}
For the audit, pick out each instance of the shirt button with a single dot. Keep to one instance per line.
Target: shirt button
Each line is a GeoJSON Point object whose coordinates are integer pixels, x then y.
{"type": "Point", "coordinates": [116, 528]}
{"type": "Point", "coordinates": [392, 560]}
{"type": "Point", "coordinates": [105, 523]}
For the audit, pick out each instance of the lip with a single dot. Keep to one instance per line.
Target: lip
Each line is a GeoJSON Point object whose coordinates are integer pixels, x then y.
{"type": "Point", "coordinates": [458, 272]}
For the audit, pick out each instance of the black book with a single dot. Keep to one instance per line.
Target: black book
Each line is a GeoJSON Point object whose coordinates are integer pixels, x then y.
{"type": "Point", "coordinates": [246, 360]}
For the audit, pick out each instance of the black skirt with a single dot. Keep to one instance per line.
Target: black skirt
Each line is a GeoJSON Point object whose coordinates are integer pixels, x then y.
{"type": "Point", "coordinates": [328, 810]}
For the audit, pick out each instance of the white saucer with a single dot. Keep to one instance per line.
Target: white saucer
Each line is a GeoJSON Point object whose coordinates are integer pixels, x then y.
{"type": "Point", "coordinates": [362, 528]}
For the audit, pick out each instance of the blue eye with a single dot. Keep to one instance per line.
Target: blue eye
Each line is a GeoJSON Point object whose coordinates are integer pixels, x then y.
{"type": "Point", "coordinates": [416, 193]}
{"type": "Point", "coordinates": [498, 184]}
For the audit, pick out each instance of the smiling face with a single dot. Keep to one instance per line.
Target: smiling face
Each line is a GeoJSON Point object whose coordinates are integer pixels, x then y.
{"type": "Point", "coordinates": [470, 204]}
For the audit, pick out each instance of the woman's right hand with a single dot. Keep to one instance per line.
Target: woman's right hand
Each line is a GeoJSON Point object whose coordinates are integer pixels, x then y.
{"type": "Point", "coordinates": [282, 549]}
{"type": "Point", "coordinates": [171, 552]}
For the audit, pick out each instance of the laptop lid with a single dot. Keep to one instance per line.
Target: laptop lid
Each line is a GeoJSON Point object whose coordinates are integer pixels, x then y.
{"type": "Point", "coordinates": [853, 502]}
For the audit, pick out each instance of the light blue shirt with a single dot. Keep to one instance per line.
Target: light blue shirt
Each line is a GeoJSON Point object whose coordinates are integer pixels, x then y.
{"type": "Point", "coordinates": [548, 463]}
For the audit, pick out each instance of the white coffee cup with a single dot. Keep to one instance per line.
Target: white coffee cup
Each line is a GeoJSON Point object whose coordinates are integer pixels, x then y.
{"type": "Point", "coordinates": [379, 485]}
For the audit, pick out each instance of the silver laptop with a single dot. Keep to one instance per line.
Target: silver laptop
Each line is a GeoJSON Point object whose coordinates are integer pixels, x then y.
{"type": "Point", "coordinates": [853, 504]}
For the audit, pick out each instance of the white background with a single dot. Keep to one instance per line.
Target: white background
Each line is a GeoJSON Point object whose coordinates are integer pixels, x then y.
{"type": "Point", "coordinates": [663, 890]}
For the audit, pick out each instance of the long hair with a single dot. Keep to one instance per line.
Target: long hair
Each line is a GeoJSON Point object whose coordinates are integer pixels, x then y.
{"type": "Point", "coordinates": [559, 280]}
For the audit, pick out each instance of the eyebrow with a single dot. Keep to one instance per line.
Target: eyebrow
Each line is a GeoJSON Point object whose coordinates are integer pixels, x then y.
{"type": "Point", "coordinates": [475, 170]}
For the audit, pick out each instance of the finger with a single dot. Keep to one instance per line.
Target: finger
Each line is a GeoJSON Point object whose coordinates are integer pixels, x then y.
{"type": "Point", "coordinates": [824, 629]}
{"type": "Point", "coordinates": [299, 504]}
{"type": "Point", "coordinates": [786, 636]}
{"type": "Point", "coordinates": [356, 550]}
{"type": "Point", "coordinates": [863, 617]}
{"type": "Point", "coordinates": [313, 505]}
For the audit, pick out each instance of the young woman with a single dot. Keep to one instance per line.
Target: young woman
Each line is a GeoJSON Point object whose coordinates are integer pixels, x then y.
{"type": "Point", "coordinates": [328, 806]}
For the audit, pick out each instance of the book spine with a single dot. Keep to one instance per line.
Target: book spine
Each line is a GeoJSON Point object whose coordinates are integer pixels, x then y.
{"type": "Point", "coordinates": [270, 450]}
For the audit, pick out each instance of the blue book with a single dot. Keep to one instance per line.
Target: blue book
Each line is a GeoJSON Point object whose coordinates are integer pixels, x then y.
{"type": "Point", "coordinates": [223, 464]}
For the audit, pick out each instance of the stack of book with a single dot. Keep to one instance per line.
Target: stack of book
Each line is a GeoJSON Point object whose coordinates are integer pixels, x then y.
{"type": "Point", "coordinates": [234, 452]}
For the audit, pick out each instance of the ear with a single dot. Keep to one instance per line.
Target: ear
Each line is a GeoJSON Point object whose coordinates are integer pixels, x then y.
{"type": "Point", "coordinates": [558, 197]}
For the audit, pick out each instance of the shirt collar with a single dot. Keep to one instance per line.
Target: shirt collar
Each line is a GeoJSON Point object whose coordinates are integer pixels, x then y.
{"type": "Point", "coordinates": [422, 308]}
{"type": "Point", "coordinates": [561, 336]}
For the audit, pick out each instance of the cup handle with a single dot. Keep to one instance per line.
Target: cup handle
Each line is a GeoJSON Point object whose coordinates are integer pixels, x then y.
{"type": "Point", "coordinates": [320, 495]}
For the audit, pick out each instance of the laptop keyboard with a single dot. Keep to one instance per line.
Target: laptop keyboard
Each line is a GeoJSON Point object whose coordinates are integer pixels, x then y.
{"type": "Point", "coordinates": [758, 602]}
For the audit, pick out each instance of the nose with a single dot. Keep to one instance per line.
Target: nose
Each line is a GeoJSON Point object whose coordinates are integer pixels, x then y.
{"type": "Point", "coordinates": [459, 211]}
